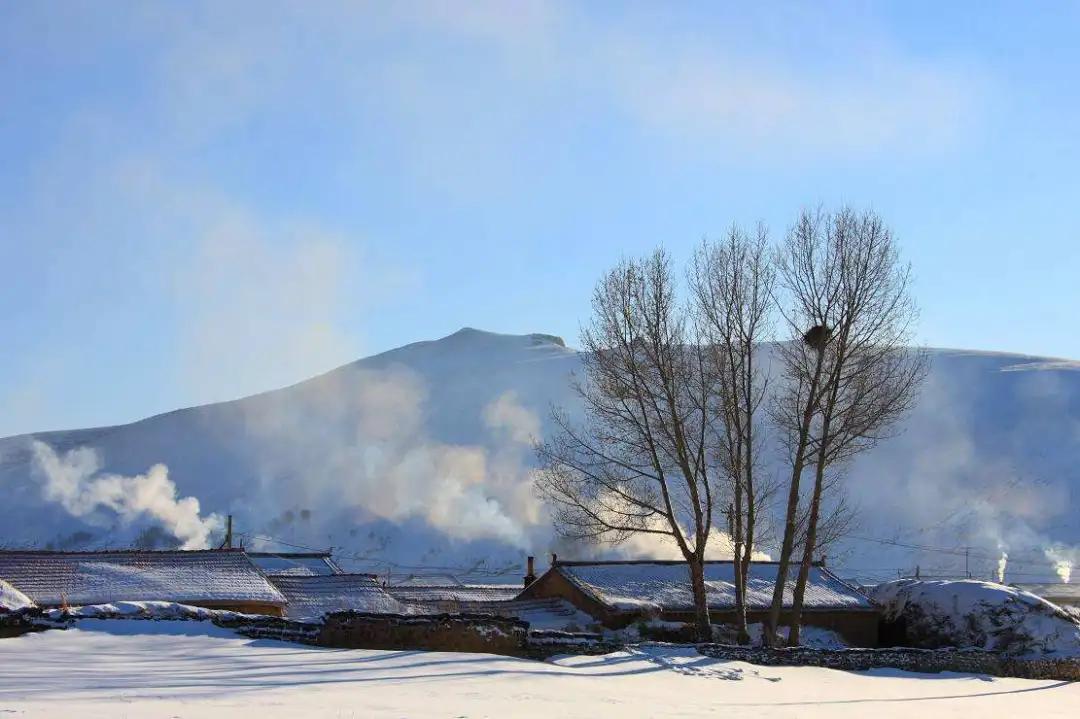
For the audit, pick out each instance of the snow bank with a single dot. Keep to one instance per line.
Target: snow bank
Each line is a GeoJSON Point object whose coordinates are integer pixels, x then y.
{"type": "Point", "coordinates": [139, 610]}
{"type": "Point", "coordinates": [11, 599]}
{"type": "Point", "coordinates": [983, 615]}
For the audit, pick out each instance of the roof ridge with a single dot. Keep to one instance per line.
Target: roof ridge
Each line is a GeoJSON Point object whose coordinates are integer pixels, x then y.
{"type": "Point", "coordinates": [365, 575]}
{"type": "Point", "coordinates": [666, 562]}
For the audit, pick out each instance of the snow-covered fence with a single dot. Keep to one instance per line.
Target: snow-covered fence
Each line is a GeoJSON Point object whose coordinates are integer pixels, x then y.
{"type": "Point", "coordinates": [931, 661]}
{"type": "Point", "coordinates": [439, 632]}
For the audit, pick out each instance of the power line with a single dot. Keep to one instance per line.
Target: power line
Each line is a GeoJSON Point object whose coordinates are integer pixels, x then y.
{"type": "Point", "coordinates": [954, 551]}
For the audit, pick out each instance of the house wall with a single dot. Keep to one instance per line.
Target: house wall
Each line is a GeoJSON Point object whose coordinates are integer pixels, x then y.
{"type": "Point", "coordinates": [271, 610]}
{"type": "Point", "coordinates": [446, 633]}
{"type": "Point", "coordinates": [554, 585]}
{"type": "Point", "coordinates": [858, 628]}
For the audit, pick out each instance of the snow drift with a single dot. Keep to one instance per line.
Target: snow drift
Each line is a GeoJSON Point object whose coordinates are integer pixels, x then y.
{"type": "Point", "coordinates": [976, 614]}
{"type": "Point", "coordinates": [12, 600]}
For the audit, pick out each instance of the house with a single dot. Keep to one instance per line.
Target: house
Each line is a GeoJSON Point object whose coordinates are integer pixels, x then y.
{"type": "Point", "coordinates": [215, 579]}
{"type": "Point", "coordinates": [619, 593]}
{"type": "Point", "coordinates": [310, 597]}
{"type": "Point", "coordinates": [302, 564]}
{"type": "Point", "coordinates": [1060, 593]}
{"type": "Point", "coordinates": [443, 593]}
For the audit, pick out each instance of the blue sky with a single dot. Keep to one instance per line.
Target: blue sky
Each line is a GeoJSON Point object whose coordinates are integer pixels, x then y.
{"type": "Point", "coordinates": [203, 200]}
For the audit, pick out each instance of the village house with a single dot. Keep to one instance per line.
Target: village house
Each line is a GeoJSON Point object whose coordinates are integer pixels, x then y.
{"type": "Point", "coordinates": [1064, 595]}
{"type": "Point", "coordinates": [214, 579]}
{"type": "Point", "coordinates": [619, 593]}
{"type": "Point", "coordinates": [310, 597]}
{"type": "Point", "coordinates": [444, 593]}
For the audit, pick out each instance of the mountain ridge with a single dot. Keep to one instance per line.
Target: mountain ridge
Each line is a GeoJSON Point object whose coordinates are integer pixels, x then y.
{"type": "Point", "coordinates": [423, 452]}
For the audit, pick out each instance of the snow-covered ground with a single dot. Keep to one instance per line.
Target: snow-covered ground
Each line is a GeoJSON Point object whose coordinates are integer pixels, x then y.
{"type": "Point", "coordinates": [139, 668]}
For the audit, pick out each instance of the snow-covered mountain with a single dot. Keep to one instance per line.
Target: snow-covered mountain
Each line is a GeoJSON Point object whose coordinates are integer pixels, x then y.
{"type": "Point", "coordinates": [422, 456]}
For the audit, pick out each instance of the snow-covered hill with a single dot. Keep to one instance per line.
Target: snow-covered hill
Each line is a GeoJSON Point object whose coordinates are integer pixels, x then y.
{"type": "Point", "coordinates": [421, 456]}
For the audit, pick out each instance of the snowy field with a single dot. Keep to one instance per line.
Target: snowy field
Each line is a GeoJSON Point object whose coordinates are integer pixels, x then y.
{"type": "Point", "coordinates": [130, 668]}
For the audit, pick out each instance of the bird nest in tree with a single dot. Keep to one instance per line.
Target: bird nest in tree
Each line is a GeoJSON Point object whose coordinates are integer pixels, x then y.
{"type": "Point", "coordinates": [817, 337]}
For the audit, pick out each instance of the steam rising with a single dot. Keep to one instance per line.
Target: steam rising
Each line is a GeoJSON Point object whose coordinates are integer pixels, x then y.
{"type": "Point", "coordinates": [382, 461]}
{"type": "Point", "coordinates": [73, 480]}
{"type": "Point", "coordinates": [973, 469]}
{"type": "Point", "coordinates": [1063, 559]}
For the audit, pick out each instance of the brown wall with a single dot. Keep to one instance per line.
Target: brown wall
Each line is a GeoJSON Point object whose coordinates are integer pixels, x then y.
{"type": "Point", "coordinates": [858, 628]}
{"type": "Point", "coordinates": [553, 584]}
{"type": "Point", "coordinates": [448, 633]}
{"type": "Point", "coordinates": [271, 610]}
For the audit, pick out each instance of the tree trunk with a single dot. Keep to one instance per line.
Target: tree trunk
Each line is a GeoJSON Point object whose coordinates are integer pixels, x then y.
{"type": "Point", "coordinates": [807, 559]}
{"type": "Point", "coordinates": [772, 624]}
{"type": "Point", "coordinates": [787, 547]}
{"type": "Point", "coordinates": [743, 567]}
{"type": "Point", "coordinates": [810, 543]}
{"type": "Point", "coordinates": [702, 625]}
{"type": "Point", "coordinates": [743, 636]}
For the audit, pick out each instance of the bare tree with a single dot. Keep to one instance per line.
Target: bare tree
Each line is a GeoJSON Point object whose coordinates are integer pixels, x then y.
{"type": "Point", "coordinates": [642, 460]}
{"type": "Point", "coordinates": [849, 373]}
{"type": "Point", "coordinates": [732, 285]}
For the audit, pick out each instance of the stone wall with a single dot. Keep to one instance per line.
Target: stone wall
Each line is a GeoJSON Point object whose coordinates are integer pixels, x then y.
{"type": "Point", "coordinates": [271, 628]}
{"type": "Point", "coordinates": [442, 632]}
{"type": "Point", "coordinates": [912, 660]}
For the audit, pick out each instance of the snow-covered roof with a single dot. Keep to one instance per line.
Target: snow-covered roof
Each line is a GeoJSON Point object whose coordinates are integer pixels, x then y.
{"type": "Point", "coordinates": [54, 578]}
{"type": "Point", "coordinates": [427, 580]}
{"type": "Point", "coordinates": [665, 585]}
{"type": "Point", "coordinates": [11, 599]}
{"type": "Point", "coordinates": [301, 564]}
{"type": "Point", "coordinates": [1053, 590]}
{"type": "Point", "coordinates": [456, 593]}
{"type": "Point", "coordinates": [313, 596]}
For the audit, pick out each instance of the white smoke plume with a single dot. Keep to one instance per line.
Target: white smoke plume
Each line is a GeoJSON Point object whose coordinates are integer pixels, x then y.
{"type": "Point", "coordinates": [1002, 562]}
{"type": "Point", "coordinates": [659, 546]}
{"type": "Point", "coordinates": [1063, 559]}
{"type": "Point", "coordinates": [381, 457]}
{"type": "Point", "coordinates": [74, 480]}
{"type": "Point", "coordinates": [984, 462]}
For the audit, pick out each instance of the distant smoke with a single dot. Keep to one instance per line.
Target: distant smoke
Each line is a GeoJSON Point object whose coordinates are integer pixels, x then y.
{"type": "Point", "coordinates": [1063, 559]}
{"type": "Point", "coordinates": [506, 414]}
{"type": "Point", "coordinates": [984, 461]}
{"type": "Point", "coordinates": [73, 480]}
{"type": "Point", "coordinates": [380, 458]}
{"type": "Point", "coordinates": [1001, 567]}
{"type": "Point", "coordinates": [659, 546]}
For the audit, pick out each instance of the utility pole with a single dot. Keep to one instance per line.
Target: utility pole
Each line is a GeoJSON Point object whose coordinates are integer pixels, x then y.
{"type": "Point", "coordinates": [967, 562]}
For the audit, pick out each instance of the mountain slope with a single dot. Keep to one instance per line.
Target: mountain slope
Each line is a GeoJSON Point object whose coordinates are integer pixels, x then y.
{"type": "Point", "coordinates": [421, 455]}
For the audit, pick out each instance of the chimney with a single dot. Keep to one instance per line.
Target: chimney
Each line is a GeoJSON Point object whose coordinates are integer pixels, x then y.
{"type": "Point", "coordinates": [530, 572]}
